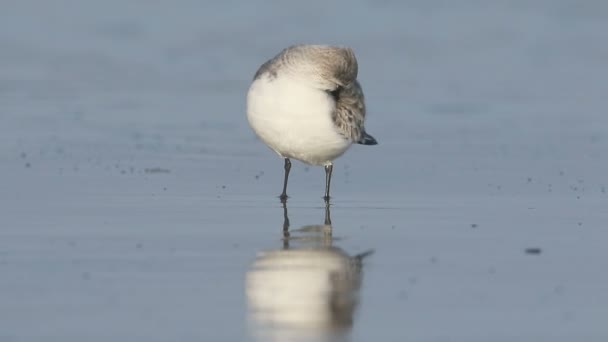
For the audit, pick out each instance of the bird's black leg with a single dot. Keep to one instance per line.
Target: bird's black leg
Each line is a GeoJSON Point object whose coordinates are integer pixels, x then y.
{"type": "Point", "coordinates": [328, 170]}
{"type": "Point", "coordinates": [283, 196]}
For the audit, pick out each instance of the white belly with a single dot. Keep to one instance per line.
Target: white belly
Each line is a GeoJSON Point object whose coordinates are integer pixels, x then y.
{"type": "Point", "coordinates": [294, 120]}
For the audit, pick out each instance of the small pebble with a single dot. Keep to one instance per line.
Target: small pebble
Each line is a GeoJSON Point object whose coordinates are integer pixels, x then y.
{"type": "Point", "coordinates": [533, 250]}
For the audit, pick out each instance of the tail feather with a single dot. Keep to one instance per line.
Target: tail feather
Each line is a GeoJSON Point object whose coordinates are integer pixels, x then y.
{"type": "Point", "coordinates": [367, 139]}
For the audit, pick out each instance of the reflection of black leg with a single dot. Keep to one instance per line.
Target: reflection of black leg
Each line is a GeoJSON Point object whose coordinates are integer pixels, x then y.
{"type": "Point", "coordinates": [328, 170]}
{"type": "Point", "coordinates": [285, 226]}
{"type": "Point", "coordinates": [285, 218]}
{"type": "Point", "coordinates": [283, 196]}
{"type": "Point", "coordinates": [327, 229]}
{"type": "Point", "coordinates": [327, 214]}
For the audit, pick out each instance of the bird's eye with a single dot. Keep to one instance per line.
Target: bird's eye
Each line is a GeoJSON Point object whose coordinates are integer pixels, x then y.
{"type": "Point", "coordinates": [335, 93]}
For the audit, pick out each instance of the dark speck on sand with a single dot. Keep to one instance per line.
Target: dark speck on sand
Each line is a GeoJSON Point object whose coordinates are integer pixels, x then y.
{"type": "Point", "coordinates": [156, 170]}
{"type": "Point", "coordinates": [533, 250]}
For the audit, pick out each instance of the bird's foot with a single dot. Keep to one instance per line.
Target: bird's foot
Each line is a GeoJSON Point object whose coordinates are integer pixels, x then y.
{"type": "Point", "coordinates": [283, 197]}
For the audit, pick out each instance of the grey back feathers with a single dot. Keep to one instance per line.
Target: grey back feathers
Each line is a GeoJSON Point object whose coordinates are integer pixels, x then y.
{"type": "Point", "coordinates": [328, 66]}
{"type": "Point", "coordinates": [349, 114]}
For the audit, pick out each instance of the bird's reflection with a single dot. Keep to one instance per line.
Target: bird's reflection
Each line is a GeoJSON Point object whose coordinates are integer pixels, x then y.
{"type": "Point", "coordinates": [306, 290]}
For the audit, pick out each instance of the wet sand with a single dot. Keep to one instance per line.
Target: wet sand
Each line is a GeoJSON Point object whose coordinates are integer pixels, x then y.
{"type": "Point", "coordinates": [138, 206]}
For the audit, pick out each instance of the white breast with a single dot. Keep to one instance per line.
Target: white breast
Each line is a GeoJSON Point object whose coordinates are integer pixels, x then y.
{"type": "Point", "coordinates": [294, 119]}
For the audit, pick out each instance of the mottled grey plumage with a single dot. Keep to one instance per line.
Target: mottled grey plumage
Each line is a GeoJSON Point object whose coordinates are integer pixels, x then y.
{"type": "Point", "coordinates": [332, 69]}
{"type": "Point", "coordinates": [269, 68]}
{"type": "Point", "coordinates": [330, 66]}
{"type": "Point", "coordinates": [349, 114]}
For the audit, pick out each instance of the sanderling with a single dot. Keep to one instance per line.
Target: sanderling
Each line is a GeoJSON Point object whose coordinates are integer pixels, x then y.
{"type": "Point", "coordinates": [306, 104]}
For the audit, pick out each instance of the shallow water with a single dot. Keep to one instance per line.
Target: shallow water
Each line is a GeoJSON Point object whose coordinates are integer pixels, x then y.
{"type": "Point", "coordinates": [137, 205]}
